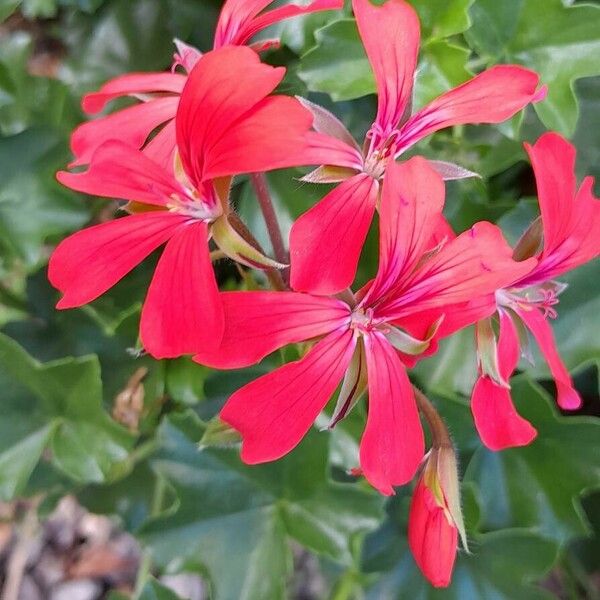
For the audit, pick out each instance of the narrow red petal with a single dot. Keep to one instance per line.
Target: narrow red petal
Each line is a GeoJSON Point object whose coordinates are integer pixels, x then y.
{"type": "Point", "coordinates": [410, 213]}
{"type": "Point", "coordinates": [567, 396]}
{"type": "Point", "coordinates": [91, 261]}
{"type": "Point", "coordinates": [392, 444]}
{"type": "Point", "coordinates": [130, 85]}
{"type": "Point", "coordinates": [183, 312]}
{"type": "Point", "coordinates": [571, 218]}
{"type": "Point", "coordinates": [326, 241]}
{"type": "Point", "coordinates": [131, 125]}
{"type": "Point", "coordinates": [490, 97]}
{"type": "Point", "coordinates": [281, 13]}
{"type": "Point", "coordinates": [258, 323]}
{"type": "Point", "coordinates": [120, 171]}
{"type": "Point", "coordinates": [390, 34]}
{"type": "Point", "coordinates": [274, 412]}
{"type": "Point", "coordinates": [476, 263]}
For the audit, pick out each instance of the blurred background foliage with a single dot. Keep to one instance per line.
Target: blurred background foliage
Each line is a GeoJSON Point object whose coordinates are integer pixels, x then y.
{"type": "Point", "coordinates": [83, 414]}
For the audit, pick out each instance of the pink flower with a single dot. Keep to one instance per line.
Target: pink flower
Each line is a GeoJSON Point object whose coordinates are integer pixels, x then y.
{"type": "Point", "coordinates": [327, 240]}
{"type": "Point", "coordinates": [226, 124]}
{"type": "Point", "coordinates": [159, 92]}
{"type": "Point", "coordinates": [569, 226]}
{"type": "Point", "coordinates": [361, 343]}
{"type": "Point", "coordinates": [435, 518]}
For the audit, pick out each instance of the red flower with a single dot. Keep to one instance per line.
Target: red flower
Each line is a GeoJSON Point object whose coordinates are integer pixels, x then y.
{"type": "Point", "coordinates": [159, 92]}
{"type": "Point", "coordinates": [327, 240]}
{"type": "Point", "coordinates": [360, 342]}
{"type": "Point", "coordinates": [226, 124]}
{"type": "Point", "coordinates": [569, 225]}
{"type": "Point", "coordinates": [435, 519]}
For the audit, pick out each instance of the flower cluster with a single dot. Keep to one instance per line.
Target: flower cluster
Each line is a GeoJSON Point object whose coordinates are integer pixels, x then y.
{"type": "Point", "coordinates": [172, 157]}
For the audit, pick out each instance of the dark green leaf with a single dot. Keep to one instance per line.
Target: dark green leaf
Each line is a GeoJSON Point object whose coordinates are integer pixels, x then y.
{"type": "Point", "coordinates": [234, 520]}
{"type": "Point", "coordinates": [560, 42]}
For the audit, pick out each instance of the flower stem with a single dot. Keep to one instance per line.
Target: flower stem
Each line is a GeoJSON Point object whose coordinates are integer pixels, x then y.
{"type": "Point", "coordinates": [439, 431]}
{"type": "Point", "coordinates": [259, 182]}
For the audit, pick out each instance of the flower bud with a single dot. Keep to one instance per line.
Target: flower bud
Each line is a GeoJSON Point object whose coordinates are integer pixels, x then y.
{"type": "Point", "coordinates": [435, 519]}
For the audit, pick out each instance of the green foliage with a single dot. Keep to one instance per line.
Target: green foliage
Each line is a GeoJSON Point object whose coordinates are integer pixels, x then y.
{"type": "Point", "coordinates": [199, 508]}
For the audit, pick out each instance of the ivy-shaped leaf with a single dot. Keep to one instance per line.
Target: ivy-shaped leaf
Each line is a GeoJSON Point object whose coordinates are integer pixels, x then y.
{"type": "Point", "coordinates": [562, 46]}
{"type": "Point", "coordinates": [55, 407]}
{"type": "Point", "coordinates": [234, 520]}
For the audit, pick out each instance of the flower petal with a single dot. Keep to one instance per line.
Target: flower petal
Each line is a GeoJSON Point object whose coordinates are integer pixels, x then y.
{"type": "Point", "coordinates": [567, 396]}
{"type": "Point", "coordinates": [132, 84]}
{"type": "Point", "coordinates": [390, 34]}
{"type": "Point", "coordinates": [326, 241]}
{"type": "Point", "coordinates": [274, 412]}
{"type": "Point", "coordinates": [490, 97]}
{"type": "Point", "coordinates": [223, 86]}
{"type": "Point", "coordinates": [161, 148]}
{"type": "Point", "coordinates": [121, 171]}
{"type": "Point", "coordinates": [131, 126]}
{"type": "Point", "coordinates": [242, 22]}
{"type": "Point", "coordinates": [392, 445]}
{"type": "Point", "coordinates": [571, 220]}
{"type": "Point", "coordinates": [91, 261]}
{"type": "Point", "coordinates": [476, 263]}
{"type": "Point", "coordinates": [411, 207]}
{"type": "Point", "coordinates": [183, 312]}
{"type": "Point", "coordinates": [497, 421]}
{"type": "Point", "coordinates": [258, 323]}
{"type": "Point", "coordinates": [269, 136]}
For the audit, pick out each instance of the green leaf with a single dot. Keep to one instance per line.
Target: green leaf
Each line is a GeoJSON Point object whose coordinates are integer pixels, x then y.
{"type": "Point", "coordinates": [442, 18]}
{"type": "Point", "coordinates": [233, 520]}
{"type": "Point", "coordinates": [33, 206]}
{"type": "Point", "coordinates": [539, 485]}
{"type": "Point", "coordinates": [560, 42]}
{"type": "Point", "coordinates": [153, 590]}
{"type": "Point", "coordinates": [56, 407]}
{"type": "Point", "coordinates": [338, 66]}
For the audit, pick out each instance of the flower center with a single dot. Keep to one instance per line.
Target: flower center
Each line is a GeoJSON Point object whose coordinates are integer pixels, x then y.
{"type": "Point", "coordinates": [382, 148]}
{"type": "Point", "coordinates": [543, 297]}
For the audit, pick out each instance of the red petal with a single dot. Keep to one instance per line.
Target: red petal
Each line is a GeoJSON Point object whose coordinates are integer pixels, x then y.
{"type": "Point", "coordinates": [269, 136]}
{"type": "Point", "coordinates": [183, 312]}
{"type": "Point", "coordinates": [433, 540]}
{"type": "Point", "coordinates": [257, 323]}
{"type": "Point", "coordinates": [161, 148]}
{"type": "Point", "coordinates": [223, 86]}
{"type": "Point", "coordinates": [91, 261]}
{"type": "Point", "coordinates": [490, 97]}
{"type": "Point", "coordinates": [476, 263]}
{"type": "Point", "coordinates": [410, 213]}
{"type": "Point", "coordinates": [392, 445]}
{"type": "Point", "coordinates": [568, 398]}
{"type": "Point", "coordinates": [498, 423]}
{"type": "Point", "coordinates": [274, 412]}
{"type": "Point", "coordinates": [131, 126]}
{"type": "Point", "coordinates": [120, 171]}
{"type": "Point", "coordinates": [390, 34]}
{"type": "Point", "coordinates": [130, 85]}
{"type": "Point", "coordinates": [571, 219]}
{"type": "Point", "coordinates": [238, 22]}
{"type": "Point", "coordinates": [326, 241]}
